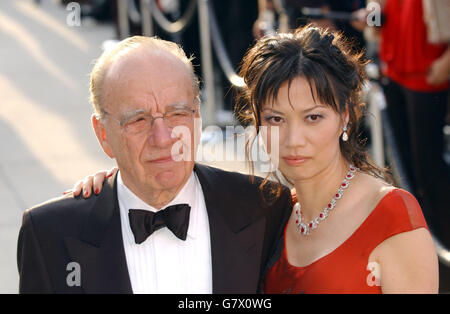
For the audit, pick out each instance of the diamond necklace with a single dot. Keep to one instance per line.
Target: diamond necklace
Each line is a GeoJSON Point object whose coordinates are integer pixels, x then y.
{"type": "Point", "coordinates": [305, 229]}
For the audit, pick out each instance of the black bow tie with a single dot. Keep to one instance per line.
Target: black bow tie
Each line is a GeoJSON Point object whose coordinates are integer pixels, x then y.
{"type": "Point", "coordinates": [143, 222]}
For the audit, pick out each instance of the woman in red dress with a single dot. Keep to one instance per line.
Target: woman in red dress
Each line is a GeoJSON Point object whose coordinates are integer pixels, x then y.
{"type": "Point", "coordinates": [349, 231]}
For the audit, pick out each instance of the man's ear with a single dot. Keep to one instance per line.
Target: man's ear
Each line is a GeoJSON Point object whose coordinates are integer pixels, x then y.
{"type": "Point", "coordinates": [100, 132]}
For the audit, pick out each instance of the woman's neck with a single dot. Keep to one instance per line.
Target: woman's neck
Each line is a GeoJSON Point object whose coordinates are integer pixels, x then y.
{"type": "Point", "coordinates": [314, 193]}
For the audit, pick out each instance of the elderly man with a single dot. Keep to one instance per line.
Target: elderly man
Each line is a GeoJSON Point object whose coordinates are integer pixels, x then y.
{"type": "Point", "coordinates": [162, 224]}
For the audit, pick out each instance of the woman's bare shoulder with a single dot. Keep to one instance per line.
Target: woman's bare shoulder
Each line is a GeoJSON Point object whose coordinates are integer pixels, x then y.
{"type": "Point", "coordinates": [373, 189]}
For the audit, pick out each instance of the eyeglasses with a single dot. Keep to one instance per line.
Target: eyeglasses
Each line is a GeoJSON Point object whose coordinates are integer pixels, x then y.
{"type": "Point", "coordinates": [140, 121]}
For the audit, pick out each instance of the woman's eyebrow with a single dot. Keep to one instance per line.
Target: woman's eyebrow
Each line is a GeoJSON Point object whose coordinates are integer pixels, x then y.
{"type": "Point", "coordinates": [303, 111]}
{"type": "Point", "coordinates": [312, 108]}
{"type": "Point", "coordinates": [271, 110]}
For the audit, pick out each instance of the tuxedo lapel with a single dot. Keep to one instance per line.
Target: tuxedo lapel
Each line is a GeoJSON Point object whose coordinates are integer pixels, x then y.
{"type": "Point", "coordinates": [99, 250]}
{"type": "Point", "coordinates": [236, 238]}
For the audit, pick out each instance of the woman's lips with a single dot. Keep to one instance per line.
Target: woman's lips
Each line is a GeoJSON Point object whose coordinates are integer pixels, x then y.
{"type": "Point", "coordinates": [295, 160]}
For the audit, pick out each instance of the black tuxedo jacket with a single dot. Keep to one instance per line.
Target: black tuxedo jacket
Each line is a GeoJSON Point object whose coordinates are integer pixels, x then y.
{"type": "Point", "coordinates": [244, 231]}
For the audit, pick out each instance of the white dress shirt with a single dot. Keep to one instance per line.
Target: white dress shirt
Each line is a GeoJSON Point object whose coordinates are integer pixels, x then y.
{"type": "Point", "coordinates": [163, 263]}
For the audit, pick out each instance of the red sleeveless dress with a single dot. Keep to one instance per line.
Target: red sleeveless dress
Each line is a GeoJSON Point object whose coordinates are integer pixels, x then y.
{"type": "Point", "coordinates": [346, 269]}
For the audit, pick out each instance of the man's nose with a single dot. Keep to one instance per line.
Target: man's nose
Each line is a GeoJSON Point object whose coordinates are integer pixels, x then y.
{"type": "Point", "coordinates": [161, 133]}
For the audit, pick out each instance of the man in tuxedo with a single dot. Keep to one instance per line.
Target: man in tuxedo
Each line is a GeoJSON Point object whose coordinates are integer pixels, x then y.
{"type": "Point", "coordinates": [162, 224]}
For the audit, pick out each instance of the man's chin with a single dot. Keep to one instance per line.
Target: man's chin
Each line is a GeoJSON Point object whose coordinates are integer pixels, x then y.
{"type": "Point", "coordinates": [169, 179]}
{"type": "Point", "coordinates": [172, 177]}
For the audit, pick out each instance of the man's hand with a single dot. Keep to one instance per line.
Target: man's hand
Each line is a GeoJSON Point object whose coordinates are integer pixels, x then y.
{"type": "Point", "coordinates": [91, 183]}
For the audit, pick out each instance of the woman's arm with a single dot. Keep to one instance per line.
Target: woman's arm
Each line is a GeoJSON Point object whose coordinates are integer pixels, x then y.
{"type": "Point", "coordinates": [409, 263]}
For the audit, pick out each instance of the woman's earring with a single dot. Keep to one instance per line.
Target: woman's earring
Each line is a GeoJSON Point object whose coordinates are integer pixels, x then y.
{"type": "Point", "coordinates": [344, 135]}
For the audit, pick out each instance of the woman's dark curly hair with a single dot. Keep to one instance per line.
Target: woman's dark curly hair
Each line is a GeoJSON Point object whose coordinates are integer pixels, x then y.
{"type": "Point", "coordinates": [335, 74]}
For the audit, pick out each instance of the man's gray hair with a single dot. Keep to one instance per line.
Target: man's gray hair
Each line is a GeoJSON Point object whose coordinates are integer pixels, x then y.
{"type": "Point", "coordinates": [123, 48]}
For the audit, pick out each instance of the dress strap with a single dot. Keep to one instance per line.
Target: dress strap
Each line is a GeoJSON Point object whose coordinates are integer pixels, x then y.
{"type": "Point", "coordinates": [397, 212]}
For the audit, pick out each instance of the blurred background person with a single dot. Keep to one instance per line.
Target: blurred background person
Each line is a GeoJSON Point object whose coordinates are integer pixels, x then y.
{"type": "Point", "coordinates": [415, 84]}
